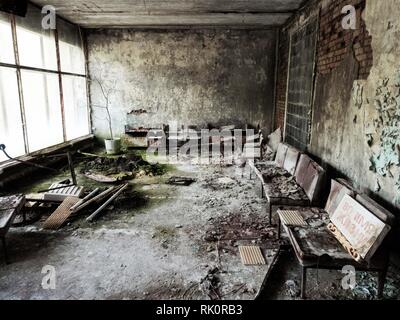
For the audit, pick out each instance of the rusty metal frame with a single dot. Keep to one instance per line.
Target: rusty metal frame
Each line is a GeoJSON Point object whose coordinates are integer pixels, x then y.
{"type": "Point", "coordinates": [9, 65]}
{"type": "Point", "coordinates": [88, 87]}
{"type": "Point", "coordinates": [19, 82]}
{"type": "Point", "coordinates": [18, 67]}
{"type": "Point", "coordinates": [60, 84]}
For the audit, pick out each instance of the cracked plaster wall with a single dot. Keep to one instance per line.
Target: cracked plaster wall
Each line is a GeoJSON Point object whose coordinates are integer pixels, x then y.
{"type": "Point", "coordinates": [194, 77]}
{"type": "Point", "coordinates": [355, 120]}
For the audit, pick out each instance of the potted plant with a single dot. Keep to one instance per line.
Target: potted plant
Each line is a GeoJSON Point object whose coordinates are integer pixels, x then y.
{"type": "Point", "coordinates": [112, 144]}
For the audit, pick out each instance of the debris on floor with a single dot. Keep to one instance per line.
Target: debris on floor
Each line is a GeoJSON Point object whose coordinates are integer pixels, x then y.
{"type": "Point", "coordinates": [210, 284]}
{"type": "Point", "coordinates": [172, 243]}
{"type": "Point", "coordinates": [126, 167]}
{"type": "Point", "coordinates": [238, 227]}
{"type": "Point", "coordinates": [181, 181]}
{"type": "Point", "coordinates": [292, 288]}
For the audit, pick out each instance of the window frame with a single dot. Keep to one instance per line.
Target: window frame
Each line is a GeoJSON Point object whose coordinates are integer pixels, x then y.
{"type": "Point", "coordinates": [19, 68]}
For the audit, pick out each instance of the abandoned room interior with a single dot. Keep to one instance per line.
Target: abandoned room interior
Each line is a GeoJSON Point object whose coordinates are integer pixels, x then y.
{"type": "Point", "coordinates": [199, 150]}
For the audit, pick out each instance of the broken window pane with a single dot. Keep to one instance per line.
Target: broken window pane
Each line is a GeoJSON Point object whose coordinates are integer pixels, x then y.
{"type": "Point", "coordinates": [11, 133]}
{"type": "Point", "coordinates": [36, 46]}
{"type": "Point", "coordinates": [42, 108]}
{"type": "Point", "coordinates": [6, 40]}
{"type": "Point", "coordinates": [75, 107]}
{"type": "Point", "coordinates": [71, 48]}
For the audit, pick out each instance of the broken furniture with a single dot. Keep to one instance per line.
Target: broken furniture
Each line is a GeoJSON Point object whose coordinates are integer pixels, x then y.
{"type": "Point", "coordinates": [293, 179]}
{"type": "Point", "coordinates": [252, 148]}
{"type": "Point", "coordinates": [59, 192]}
{"type": "Point", "coordinates": [294, 216]}
{"type": "Point", "coordinates": [9, 207]}
{"type": "Point", "coordinates": [155, 137]}
{"type": "Point", "coordinates": [277, 167]}
{"type": "Point", "coordinates": [143, 137]}
{"type": "Point", "coordinates": [137, 137]}
{"type": "Point", "coordinates": [72, 205]}
{"type": "Point", "coordinates": [321, 244]}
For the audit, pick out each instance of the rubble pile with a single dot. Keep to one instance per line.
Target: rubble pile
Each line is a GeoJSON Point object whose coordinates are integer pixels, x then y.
{"type": "Point", "coordinates": [126, 166]}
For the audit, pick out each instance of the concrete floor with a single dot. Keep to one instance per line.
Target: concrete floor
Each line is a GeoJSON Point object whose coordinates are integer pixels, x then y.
{"type": "Point", "coordinates": [154, 243]}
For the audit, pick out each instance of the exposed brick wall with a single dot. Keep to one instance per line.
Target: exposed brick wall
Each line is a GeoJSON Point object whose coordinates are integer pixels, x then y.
{"type": "Point", "coordinates": [335, 42]}
{"type": "Point", "coordinates": [333, 45]}
{"type": "Point", "coordinates": [281, 84]}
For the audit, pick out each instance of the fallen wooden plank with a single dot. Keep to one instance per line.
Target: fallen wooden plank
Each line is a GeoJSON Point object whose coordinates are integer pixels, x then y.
{"type": "Point", "coordinates": [87, 198]}
{"type": "Point", "coordinates": [58, 217]}
{"type": "Point", "coordinates": [98, 198]}
{"type": "Point", "coordinates": [94, 215]}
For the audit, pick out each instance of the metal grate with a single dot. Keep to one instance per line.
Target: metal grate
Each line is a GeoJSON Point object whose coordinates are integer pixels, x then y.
{"type": "Point", "coordinates": [63, 193]}
{"type": "Point", "coordinates": [300, 88]}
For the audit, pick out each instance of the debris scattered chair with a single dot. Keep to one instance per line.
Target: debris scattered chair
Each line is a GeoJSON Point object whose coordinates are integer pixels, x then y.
{"type": "Point", "coordinates": [252, 151]}
{"type": "Point", "coordinates": [293, 179]}
{"type": "Point", "coordinates": [9, 208]}
{"type": "Point", "coordinates": [320, 244]}
{"type": "Point", "coordinates": [287, 217]}
{"type": "Point", "coordinates": [269, 168]}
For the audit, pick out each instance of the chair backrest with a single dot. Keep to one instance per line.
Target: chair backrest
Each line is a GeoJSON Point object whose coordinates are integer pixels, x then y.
{"type": "Point", "coordinates": [361, 227]}
{"type": "Point", "coordinates": [379, 211]}
{"type": "Point", "coordinates": [310, 176]}
{"type": "Point", "coordinates": [281, 154]}
{"type": "Point", "coordinates": [338, 191]}
{"type": "Point", "coordinates": [291, 160]}
{"type": "Point", "coordinates": [301, 169]}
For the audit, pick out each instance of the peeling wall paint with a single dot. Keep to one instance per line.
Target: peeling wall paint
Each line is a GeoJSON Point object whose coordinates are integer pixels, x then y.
{"type": "Point", "coordinates": [194, 77]}
{"type": "Point", "coordinates": [387, 125]}
{"type": "Point", "coordinates": [355, 119]}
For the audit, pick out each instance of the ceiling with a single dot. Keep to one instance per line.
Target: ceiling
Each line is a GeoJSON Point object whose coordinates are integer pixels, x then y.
{"type": "Point", "coordinates": [174, 13]}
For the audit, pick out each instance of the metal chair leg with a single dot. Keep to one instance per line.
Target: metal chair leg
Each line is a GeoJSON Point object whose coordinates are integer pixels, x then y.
{"type": "Point", "coordinates": [262, 191]}
{"type": "Point", "coordinates": [381, 283]}
{"type": "Point", "coordinates": [3, 240]}
{"type": "Point", "coordinates": [270, 213]}
{"type": "Point", "coordinates": [303, 282]}
{"type": "Point", "coordinates": [279, 229]}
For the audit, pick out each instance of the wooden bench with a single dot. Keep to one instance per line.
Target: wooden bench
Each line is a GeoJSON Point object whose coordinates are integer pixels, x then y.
{"type": "Point", "coordinates": [316, 247]}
